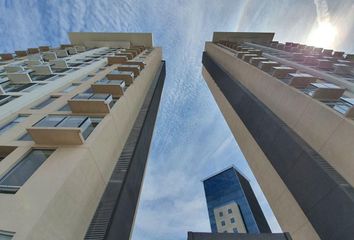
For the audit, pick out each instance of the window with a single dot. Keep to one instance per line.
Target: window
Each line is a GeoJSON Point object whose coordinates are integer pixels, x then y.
{"type": "Point", "coordinates": [4, 235]}
{"type": "Point", "coordinates": [229, 211]}
{"type": "Point", "coordinates": [66, 107]}
{"type": "Point", "coordinates": [235, 230]}
{"type": "Point", "coordinates": [222, 223]}
{"type": "Point", "coordinates": [5, 151]}
{"type": "Point", "coordinates": [18, 119]}
{"type": "Point", "coordinates": [70, 88]}
{"type": "Point", "coordinates": [87, 124]}
{"type": "Point", "coordinates": [23, 170]}
{"type": "Point", "coordinates": [18, 87]}
{"type": "Point", "coordinates": [45, 103]}
{"type": "Point", "coordinates": [25, 137]}
{"type": "Point", "coordinates": [232, 220]}
{"type": "Point", "coordinates": [6, 99]}
{"type": "Point", "coordinates": [221, 214]}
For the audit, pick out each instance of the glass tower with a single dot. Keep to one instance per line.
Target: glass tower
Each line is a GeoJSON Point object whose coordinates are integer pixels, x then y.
{"type": "Point", "coordinates": [232, 205]}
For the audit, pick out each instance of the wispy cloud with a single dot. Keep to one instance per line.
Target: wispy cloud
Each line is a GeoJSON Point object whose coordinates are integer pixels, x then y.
{"type": "Point", "coordinates": [191, 139]}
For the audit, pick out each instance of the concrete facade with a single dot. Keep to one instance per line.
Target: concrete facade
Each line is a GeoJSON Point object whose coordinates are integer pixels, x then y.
{"type": "Point", "coordinates": [282, 133]}
{"type": "Point", "coordinates": [226, 218]}
{"type": "Point", "coordinates": [59, 200]}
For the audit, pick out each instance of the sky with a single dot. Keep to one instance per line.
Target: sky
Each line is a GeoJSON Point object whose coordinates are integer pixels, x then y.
{"type": "Point", "coordinates": [191, 139]}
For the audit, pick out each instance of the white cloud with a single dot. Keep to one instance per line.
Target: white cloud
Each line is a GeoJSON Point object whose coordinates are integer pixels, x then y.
{"type": "Point", "coordinates": [191, 139]}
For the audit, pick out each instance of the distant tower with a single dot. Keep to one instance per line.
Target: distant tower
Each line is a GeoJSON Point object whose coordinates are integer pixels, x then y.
{"type": "Point", "coordinates": [232, 205]}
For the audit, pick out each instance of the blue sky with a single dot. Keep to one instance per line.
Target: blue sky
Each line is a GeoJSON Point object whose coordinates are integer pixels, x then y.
{"type": "Point", "coordinates": [191, 139]}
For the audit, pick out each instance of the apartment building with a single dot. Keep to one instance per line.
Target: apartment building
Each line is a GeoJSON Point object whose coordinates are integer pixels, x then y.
{"type": "Point", "coordinates": [76, 123]}
{"type": "Point", "coordinates": [290, 108]}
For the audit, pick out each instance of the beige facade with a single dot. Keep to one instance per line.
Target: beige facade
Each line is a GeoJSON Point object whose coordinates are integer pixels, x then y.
{"type": "Point", "coordinates": [312, 113]}
{"type": "Point", "coordinates": [228, 218]}
{"type": "Point", "coordinates": [59, 199]}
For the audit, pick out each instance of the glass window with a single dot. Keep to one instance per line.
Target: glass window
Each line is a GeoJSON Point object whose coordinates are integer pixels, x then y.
{"type": "Point", "coordinates": [235, 230]}
{"type": "Point", "coordinates": [232, 220]}
{"type": "Point", "coordinates": [45, 103]}
{"type": "Point", "coordinates": [70, 87]}
{"type": "Point", "coordinates": [25, 137]}
{"type": "Point", "coordinates": [222, 223]}
{"type": "Point", "coordinates": [94, 122]}
{"type": "Point", "coordinates": [20, 118]}
{"type": "Point", "coordinates": [17, 87]}
{"type": "Point", "coordinates": [221, 214]}
{"type": "Point", "coordinates": [6, 99]}
{"type": "Point", "coordinates": [66, 107]}
{"type": "Point", "coordinates": [229, 211]}
{"type": "Point", "coordinates": [72, 121]}
{"type": "Point", "coordinates": [50, 121]}
{"type": "Point", "coordinates": [5, 235]}
{"type": "Point", "coordinates": [23, 170]}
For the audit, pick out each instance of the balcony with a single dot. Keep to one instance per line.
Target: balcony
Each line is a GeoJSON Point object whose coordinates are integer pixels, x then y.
{"type": "Point", "coordinates": [140, 63]}
{"type": "Point", "coordinates": [61, 53]}
{"type": "Point", "coordinates": [344, 106]}
{"type": "Point", "coordinates": [44, 48]}
{"type": "Point", "coordinates": [247, 57]}
{"type": "Point", "coordinates": [282, 71]}
{"type": "Point", "coordinates": [33, 50]}
{"type": "Point", "coordinates": [21, 53]}
{"type": "Point", "coordinates": [6, 56]}
{"type": "Point", "coordinates": [113, 87]}
{"type": "Point", "coordinates": [127, 55]}
{"type": "Point", "coordinates": [324, 91]}
{"type": "Point", "coordinates": [116, 59]}
{"type": "Point", "coordinates": [301, 80]}
{"type": "Point", "coordinates": [126, 76]}
{"type": "Point", "coordinates": [20, 77]}
{"type": "Point", "coordinates": [48, 56]}
{"type": "Point", "coordinates": [62, 129]}
{"type": "Point", "coordinates": [131, 68]}
{"type": "Point", "coordinates": [91, 103]}
{"type": "Point", "coordinates": [256, 60]}
{"type": "Point", "coordinates": [268, 65]}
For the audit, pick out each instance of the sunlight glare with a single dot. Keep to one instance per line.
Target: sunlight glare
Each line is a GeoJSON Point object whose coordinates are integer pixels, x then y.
{"type": "Point", "coordinates": [323, 35]}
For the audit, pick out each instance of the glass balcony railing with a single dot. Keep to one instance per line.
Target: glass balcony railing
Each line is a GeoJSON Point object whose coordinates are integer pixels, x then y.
{"type": "Point", "coordinates": [62, 129]}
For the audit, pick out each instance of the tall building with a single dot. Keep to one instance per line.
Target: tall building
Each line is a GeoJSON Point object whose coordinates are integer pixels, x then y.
{"type": "Point", "coordinates": [232, 205]}
{"type": "Point", "coordinates": [290, 108]}
{"type": "Point", "coordinates": [75, 128]}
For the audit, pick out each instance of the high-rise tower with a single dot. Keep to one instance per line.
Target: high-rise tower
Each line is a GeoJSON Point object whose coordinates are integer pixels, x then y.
{"type": "Point", "coordinates": [75, 128]}
{"type": "Point", "coordinates": [232, 205]}
{"type": "Point", "coordinates": [290, 108]}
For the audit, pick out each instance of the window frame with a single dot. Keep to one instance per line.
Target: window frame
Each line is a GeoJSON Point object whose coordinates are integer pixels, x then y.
{"type": "Point", "coordinates": [12, 189]}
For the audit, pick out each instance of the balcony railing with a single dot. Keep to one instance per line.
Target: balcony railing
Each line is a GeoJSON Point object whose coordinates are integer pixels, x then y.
{"type": "Point", "coordinates": [126, 76]}
{"type": "Point", "coordinates": [62, 129]}
{"type": "Point", "coordinates": [91, 103]}
{"type": "Point", "coordinates": [113, 87]}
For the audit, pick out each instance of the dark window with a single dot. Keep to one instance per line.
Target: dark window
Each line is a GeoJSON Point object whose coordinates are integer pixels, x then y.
{"type": "Point", "coordinates": [235, 230]}
{"type": "Point", "coordinates": [6, 235]}
{"type": "Point", "coordinates": [70, 87]}
{"type": "Point", "coordinates": [45, 103]}
{"type": "Point", "coordinates": [18, 87]}
{"type": "Point", "coordinates": [229, 211]}
{"type": "Point", "coordinates": [221, 214]}
{"type": "Point", "coordinates": [66, 107]}
{"type": "Point", "coordinates": [25, 137]}
{"type": "Point", "coordinates": [232, 220]}
{"type": "Point", "coordinates": [222, 223]}
{"type": "Point", "coordinates": [6, 99]}
{"type": "Point", "coordinates": [23, 170]}
{"type": "Point", "coordinates": [11, 124]}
